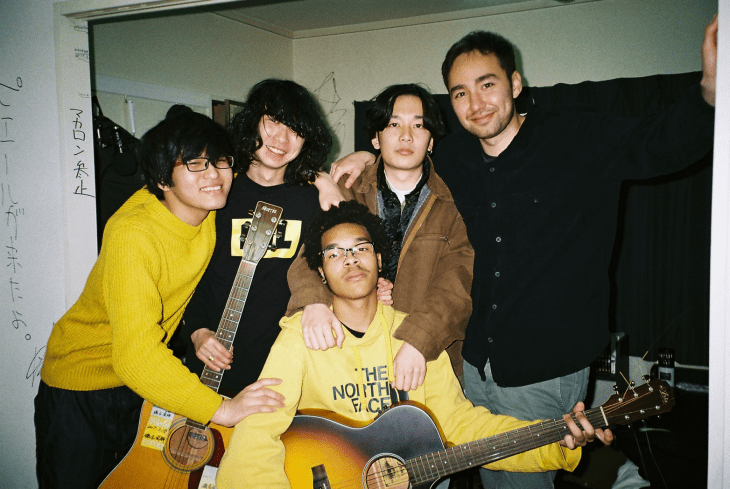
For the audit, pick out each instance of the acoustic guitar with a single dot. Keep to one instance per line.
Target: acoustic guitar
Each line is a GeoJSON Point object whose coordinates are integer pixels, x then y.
{"type": "Point", "coordinates": [172, 451]}
{"type": "Point", "coordinates": [402, 448]}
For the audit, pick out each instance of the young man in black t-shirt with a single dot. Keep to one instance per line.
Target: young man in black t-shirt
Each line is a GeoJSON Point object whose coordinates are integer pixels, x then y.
{"type": "Point", "coordinates": [282, 142]}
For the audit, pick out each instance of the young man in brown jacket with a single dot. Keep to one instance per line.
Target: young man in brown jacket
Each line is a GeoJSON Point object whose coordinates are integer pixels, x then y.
{"type": "Point", "coordinates": [431, 269]}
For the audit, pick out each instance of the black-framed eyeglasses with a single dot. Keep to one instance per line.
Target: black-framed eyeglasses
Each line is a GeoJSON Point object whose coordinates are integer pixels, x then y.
{"type": "Point", "coordinates": [334, 254]}
{"type": "Point", "coordinates": [201, 163]}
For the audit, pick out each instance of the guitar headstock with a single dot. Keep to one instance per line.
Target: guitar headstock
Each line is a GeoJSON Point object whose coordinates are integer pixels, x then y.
{"type": "Point", "coordinates": [654, 397]}
{"type": "Point", "coordinates": [263, 225]}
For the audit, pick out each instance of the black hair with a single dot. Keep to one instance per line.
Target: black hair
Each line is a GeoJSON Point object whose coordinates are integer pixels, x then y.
{"type": "Point", "coordinates": [380, 111]}
{"type": "Point", "coordinates": [290, 104]}
{"type": "Point", "coordinates": [485, 43]}
{"type": "Point", "coordinates": [347, 212]}
{"type": "Point", "coordinates": [176, 110]}
{"type": "Point", "coordinates": [183, 136]}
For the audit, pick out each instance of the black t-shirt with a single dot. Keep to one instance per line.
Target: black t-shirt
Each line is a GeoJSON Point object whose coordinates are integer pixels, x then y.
{"type": "Point", "coordinates": [269, 293]}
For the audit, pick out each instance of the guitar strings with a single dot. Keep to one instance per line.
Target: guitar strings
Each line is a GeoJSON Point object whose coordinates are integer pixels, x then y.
{"type": "Point", "coordinates": [178, 478]}
{"type": "Point", "coordinates": [503, 444]}
{"type": "Point", "coordinates": [184, 453]}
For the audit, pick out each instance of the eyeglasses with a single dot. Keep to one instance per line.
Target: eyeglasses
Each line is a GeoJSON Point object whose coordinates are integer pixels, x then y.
{"type": "Point", "coordinates": [336, 254]}
{"type": "Point", "coordinates": [201, 163]}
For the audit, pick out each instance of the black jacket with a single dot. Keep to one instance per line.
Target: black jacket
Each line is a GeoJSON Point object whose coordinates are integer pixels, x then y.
{"type": "Point", "coordinates": [542, 220]}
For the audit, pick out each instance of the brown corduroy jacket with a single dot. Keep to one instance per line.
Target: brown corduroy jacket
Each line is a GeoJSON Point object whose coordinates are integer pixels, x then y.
{"type": "Point", "coordinates": [435, 271]}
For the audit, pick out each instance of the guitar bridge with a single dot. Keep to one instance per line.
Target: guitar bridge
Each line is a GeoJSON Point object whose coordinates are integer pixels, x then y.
{"type": "Point", "coordinates": [319, 478]}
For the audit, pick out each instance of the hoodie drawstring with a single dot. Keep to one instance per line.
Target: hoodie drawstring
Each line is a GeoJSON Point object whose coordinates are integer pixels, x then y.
{"type": "Point", "coordinates": [362, 388]}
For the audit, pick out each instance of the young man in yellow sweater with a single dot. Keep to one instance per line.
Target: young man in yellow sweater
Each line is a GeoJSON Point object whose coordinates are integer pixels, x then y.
{"type": "Point", "coordinates": [348, 245]}
{"type": "Point", "coordinates": [109, 351]}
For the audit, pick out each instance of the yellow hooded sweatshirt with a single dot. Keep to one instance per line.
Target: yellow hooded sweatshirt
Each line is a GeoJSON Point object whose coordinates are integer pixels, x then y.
{"type": "Point", "coordinates": [314, 379]}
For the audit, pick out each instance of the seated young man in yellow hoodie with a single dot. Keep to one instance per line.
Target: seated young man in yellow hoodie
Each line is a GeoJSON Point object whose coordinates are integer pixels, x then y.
{"type": "Point", "coordinates": [109, 351]}
{"type": "Point", "coordinates": [347, 245]}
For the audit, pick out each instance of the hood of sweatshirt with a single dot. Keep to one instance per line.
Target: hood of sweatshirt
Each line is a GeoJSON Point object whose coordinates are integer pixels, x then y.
{"type": "Point", "coordinates": [379, 331]}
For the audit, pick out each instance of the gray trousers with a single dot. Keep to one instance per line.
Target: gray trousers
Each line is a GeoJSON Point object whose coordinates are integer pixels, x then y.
{"type": "Point", "coordinates": [543, 400]}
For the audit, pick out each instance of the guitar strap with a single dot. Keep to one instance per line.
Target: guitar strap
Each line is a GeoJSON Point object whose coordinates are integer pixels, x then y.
{"type": "Point", "coordinates": [397, 395]}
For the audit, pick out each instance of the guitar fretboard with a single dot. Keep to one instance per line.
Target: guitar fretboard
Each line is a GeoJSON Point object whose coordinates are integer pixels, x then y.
{"type": "Point", "coordinates": [461, 457]}
{"type": "Point", "coordinates": [230, 319]}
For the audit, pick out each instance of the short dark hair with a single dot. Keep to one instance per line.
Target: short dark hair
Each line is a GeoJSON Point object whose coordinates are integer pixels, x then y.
{"type": "Point", "coordinates": [347, 212]}
{"type": "Point", "coordinates": [485, 43]}
{"type": "Point", "coordinates": [290, 104]}
{"type": "Point", "coordinates": [380, 110]}
{"type": "Point", "coordinates": [183, 136]}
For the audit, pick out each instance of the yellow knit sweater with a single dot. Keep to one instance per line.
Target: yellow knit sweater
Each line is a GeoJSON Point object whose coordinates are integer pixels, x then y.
{"type": "Point", "coordinates": [117, 332]}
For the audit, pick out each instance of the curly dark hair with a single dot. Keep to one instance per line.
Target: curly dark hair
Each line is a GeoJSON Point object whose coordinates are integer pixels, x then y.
{"type": "Point", "coordinates": [347, 212]}
{"type": "Point", "coordinates": [485, 43]}
{"type": "Point", "coordinates": [290, 104]}
{"type": "Point", "coordinates": [380, 110]}
{"type": "Point", "coordinates": [183, 136]}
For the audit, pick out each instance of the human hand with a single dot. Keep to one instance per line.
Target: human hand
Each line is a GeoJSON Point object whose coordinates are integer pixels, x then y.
{"type": "Point", "coordinates": [329, 192]}
{"type": "Point", "coordinates": [410, 368]}
{"type": "Point", "coordinates": [385, 291]}
{"type": "Point", "coordinates": [353, 165]}
{"type": "Point", "coordinates": [709, 62]}
{"type": "Point", "coordinates": [210, 351]}
{"type": "Point", "coordinates": [318, 323]}
{"type": "Point", "coordinates": [578, 436]}
{"type": "Point", "coordinates": [256, 398]}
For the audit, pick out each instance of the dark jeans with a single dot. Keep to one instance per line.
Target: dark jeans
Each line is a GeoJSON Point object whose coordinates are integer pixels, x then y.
{"type": "Point", "coordinates": [82, 435]}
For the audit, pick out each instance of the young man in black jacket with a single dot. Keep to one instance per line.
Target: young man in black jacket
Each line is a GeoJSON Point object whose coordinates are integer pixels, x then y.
{"type": "Point", "coordinates": [539, 196]}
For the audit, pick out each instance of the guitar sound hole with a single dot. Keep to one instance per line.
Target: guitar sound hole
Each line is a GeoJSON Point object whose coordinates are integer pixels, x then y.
{"type": "Point", "coordinates": [196, 439]}
{"type": "Point", "coordinates": [188, 448]}
{"type": "Point", "coordinates": [386, 473]}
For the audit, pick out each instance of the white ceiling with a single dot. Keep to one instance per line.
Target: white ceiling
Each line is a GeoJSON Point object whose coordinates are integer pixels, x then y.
{"type": "Point", "coordinates": [311, 18]}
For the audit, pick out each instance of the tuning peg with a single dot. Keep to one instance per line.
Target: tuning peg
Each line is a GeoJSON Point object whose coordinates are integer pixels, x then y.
{"type": "Point", "coordinates": [280, 229]}
{"type": "Point", "coordinates": [615, 389]}
{"type": "Point", "coordinates": [244, 232]}
{"type": "Point", "coordinates": [646, 377]}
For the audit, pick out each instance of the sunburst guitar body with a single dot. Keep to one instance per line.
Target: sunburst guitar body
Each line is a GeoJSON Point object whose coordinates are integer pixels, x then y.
{"type": "Point", "coordinates": [402, 448]}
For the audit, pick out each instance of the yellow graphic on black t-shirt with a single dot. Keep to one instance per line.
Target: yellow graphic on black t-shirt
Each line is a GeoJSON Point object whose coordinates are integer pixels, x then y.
{"type": "Point", "coordinates": [286, 245]}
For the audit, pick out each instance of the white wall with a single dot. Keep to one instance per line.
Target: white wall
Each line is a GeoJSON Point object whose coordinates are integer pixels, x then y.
{"type": "Point", "coordinates": [719, 442]}
{"type": "Point", "coordinates": [571, 43]}
{"type": "Point", "coordinates": [201, 52]}
{"type": "Point", "coordinates": [32, 239]}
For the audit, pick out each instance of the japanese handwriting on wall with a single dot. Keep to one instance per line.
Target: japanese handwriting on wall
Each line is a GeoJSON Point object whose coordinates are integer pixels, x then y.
{"type": "Point", "coordinates": [81, 167]}
{"type": "Point", "coordinates": [12, 220]}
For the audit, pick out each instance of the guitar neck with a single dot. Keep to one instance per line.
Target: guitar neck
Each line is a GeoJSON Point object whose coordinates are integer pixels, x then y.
{"type": "Point", "coordinates": [461, 457]}
{"type": "Point", "coordinates": [230, 319]}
